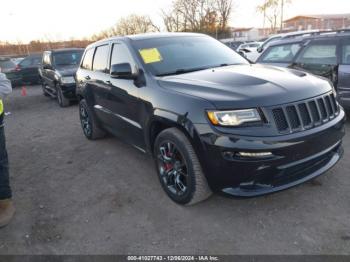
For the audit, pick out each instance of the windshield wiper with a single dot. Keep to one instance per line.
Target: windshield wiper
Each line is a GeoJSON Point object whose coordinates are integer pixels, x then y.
{"type": "Point", "coordinates": [183, 71]}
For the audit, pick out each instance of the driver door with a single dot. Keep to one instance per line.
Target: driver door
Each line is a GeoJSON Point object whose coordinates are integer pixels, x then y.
{"type": "Point", "coordinates": [122, 100]}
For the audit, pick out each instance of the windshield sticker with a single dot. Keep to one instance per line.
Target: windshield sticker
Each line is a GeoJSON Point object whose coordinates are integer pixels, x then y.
{"type": "Point", "coordinates": [151, 55]}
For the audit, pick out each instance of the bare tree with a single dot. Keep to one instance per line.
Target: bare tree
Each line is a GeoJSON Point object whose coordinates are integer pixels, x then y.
{"type": "Point", "coordinates": [207, 16]}
{"type": "Point", "coordinates": [271, 10]}
{"type": "Point", "coordinates": [224, 8]}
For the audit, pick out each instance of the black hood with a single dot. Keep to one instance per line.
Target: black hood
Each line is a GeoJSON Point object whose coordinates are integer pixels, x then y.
{"type": "Point", "coordinates": [243, 86]}
{"type": "Point", "coordinates": [67, 70]}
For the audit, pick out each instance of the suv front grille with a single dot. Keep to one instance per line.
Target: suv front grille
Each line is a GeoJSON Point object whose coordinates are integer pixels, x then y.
{"type": "Point", "coordinates": [307, 114]}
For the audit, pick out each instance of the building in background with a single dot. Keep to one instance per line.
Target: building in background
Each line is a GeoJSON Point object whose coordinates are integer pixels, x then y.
{"type": "Point", "coordinates": [249, 34]}
{"type": "Point", "coordinates": [322, 22]}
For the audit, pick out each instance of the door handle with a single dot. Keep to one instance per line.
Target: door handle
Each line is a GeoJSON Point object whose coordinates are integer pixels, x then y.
{"type": "Point", "coordinates": [87, 77]}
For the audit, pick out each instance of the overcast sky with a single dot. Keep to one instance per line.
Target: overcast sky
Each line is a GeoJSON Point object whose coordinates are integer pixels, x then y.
{"type": "Point", "coordinates": [26, 20]}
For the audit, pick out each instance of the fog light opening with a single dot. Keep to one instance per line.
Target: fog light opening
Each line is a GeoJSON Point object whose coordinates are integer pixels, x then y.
{"type": "Point", "coordinates": [254, 155]}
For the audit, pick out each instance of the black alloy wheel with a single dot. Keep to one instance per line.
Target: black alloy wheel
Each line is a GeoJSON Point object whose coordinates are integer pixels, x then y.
{"type": "Point", "coordinates": [173, 169]}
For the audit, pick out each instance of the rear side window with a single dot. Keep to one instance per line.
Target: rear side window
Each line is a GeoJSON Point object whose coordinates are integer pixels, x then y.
{"type": "Point", "coordinates": [281, 53]}
{"type": "Point", "coordinates": [101, 59]}
{"type": "Point", "coordinates": [319, 53]}
{"type": "Point", "coordinates": [87, 62]}
{"type": "Point", "coordinates": [346, 53]}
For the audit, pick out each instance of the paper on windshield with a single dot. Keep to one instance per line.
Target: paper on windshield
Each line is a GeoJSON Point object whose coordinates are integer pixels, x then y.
{"type": "Point", "coordinates": [151, 55]}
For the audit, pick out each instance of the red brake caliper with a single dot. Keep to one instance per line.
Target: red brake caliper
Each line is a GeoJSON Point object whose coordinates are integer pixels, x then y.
{"type": "Point", "coordinates": [168, 166]}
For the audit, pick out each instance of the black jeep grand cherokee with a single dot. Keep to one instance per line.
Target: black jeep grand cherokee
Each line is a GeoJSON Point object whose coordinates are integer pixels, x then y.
{"type": "Point", "coordinates": [212, 121]}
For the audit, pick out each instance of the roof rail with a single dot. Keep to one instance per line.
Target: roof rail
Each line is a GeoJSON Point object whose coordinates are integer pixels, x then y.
{"type": "Point", "coordinates": [316, 33]}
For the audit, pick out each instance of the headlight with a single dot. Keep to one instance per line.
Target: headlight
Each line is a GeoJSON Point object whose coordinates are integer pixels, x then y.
{"type": "Point", "coordinates": [233, 118]}
{"type": "Point", "coordinates": [67, 80]}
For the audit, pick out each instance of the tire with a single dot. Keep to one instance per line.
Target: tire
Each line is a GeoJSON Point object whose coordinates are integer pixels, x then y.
{"type": "Point", "coordinates": [185, 162]}
{"type": "Point", "coordinates": [89, 122]}
{"type": "Point", "coordinates": [62, 101]}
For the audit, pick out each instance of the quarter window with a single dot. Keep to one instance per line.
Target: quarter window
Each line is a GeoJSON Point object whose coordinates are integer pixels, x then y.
{"type": "Point", "coordinates": [319, 54]}
{"type": "Point", "coordinates": [87, 62]}
{"type": "Point", "coordinates": [101, 59]}
{"type": "Point", "coordinates": [281, 53]}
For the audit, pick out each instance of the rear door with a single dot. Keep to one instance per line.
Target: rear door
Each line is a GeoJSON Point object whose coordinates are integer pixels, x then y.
{"type": "Point", "coordinates": [320, 58]}
{"type": "Point", "coordinates": [99, 83]}
{"type": "Point", "coordinates": [344, 71]}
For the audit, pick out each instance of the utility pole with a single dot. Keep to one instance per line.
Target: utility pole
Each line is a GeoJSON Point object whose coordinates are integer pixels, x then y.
{"type": "Point", "coordinates": [282, 9]}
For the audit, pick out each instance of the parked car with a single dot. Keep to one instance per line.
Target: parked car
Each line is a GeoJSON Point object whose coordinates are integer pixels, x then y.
{"type": "Point", "coordinates": [277, 37]}
{"type": "Point", "coordinates": [250, 50]}
{"type": "Point", "coordinates": [26, 71]}
{"type": "Point", "coordinates": [325, 54]}
{"type": "Point", "coordinates": [6, 65]}
{"type": "Point", "coordinates": [211, 120]}
{"type": "Point", "coordinates": [234, 44]}
{"type": "Point", "coordinates": [57, 73]}
{"type": "Point", "coordinates": [17, 60]}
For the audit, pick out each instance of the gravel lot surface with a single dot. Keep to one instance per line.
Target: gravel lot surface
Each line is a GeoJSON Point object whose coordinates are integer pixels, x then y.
{"type": "Point", "coordinates": [74, 196]}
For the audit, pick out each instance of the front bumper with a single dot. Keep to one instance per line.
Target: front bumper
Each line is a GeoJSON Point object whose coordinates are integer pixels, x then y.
{"type": "Point", "coordinates": [295, 158]}
{"type": "Point", "coordinates": [68, 91]}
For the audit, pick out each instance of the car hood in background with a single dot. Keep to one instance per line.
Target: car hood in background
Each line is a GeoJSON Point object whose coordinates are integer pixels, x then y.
{"type": "Point", "coordinates": [68, 70]}
{"type": "Point", "coordinates": [243, 86]}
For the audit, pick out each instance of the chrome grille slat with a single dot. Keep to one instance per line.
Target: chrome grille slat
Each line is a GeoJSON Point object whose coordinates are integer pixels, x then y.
{"type": "Point", "coordinates": [294, 117]}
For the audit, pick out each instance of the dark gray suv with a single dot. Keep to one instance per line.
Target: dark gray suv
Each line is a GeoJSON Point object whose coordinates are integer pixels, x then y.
{"type": "Point", "coordinates": [325, 54]}
{"type": "Point", "coordinates": [211, 120]}
{"type": "Point", "coordinates": [57, 73]}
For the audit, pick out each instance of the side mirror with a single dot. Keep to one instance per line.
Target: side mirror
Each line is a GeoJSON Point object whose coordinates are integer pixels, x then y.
{"type": "Point", "coordinates": [241, 53]}
{"type": "Point", "coordinates": [122, 71]}
{"type": "Point", "coordinates": [47, 66]}
{"type": "Point", "coordinates": [260, 49]}
{"type": "Point", "coordinates": [245, 50]}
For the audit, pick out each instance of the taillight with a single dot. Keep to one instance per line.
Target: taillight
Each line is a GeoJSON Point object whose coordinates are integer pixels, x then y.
{"type": "Point", "coordinates": [17, 68]}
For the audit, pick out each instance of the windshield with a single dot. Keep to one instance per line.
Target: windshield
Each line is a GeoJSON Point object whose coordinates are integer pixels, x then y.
{"type": "Point", "coordinates": [176, 55]}
{"type": "Point", "coordinates": [67, 58]}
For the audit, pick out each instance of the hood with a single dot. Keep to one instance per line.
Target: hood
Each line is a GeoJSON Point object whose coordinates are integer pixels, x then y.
{"type": "Point", "coordinates": [68, 70]}
{"type": "Point", "coordinates": [243, 86]}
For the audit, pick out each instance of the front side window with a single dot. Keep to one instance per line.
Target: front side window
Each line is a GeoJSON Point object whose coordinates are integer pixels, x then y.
{"type": "Point", "coordinates": [120, 55]}
{"type": "Point", "coordinates": [67, 58]}
{"type": "Point", "coordinates": [101, 59]}
{"type": "Point", "coordinates": [174, 55]}
{"type": "Point", "coordinates": [87, 62]}
{"type": "Point", "coordinates": [346, 53]}
{"type": "Point", "coordinates": [47, 60]}
{"type": "Point", "coordinates": [319, 53]}
{"type": "Point", "coordinates": [281, 53]}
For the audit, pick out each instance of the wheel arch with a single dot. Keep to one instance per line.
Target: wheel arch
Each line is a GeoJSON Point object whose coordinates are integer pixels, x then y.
{"type": "Point", "coordinates": [162, 120]}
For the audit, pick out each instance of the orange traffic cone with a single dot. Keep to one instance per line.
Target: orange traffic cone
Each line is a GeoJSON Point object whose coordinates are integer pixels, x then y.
{"type": "Point", "coordinates": [24, 91]}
